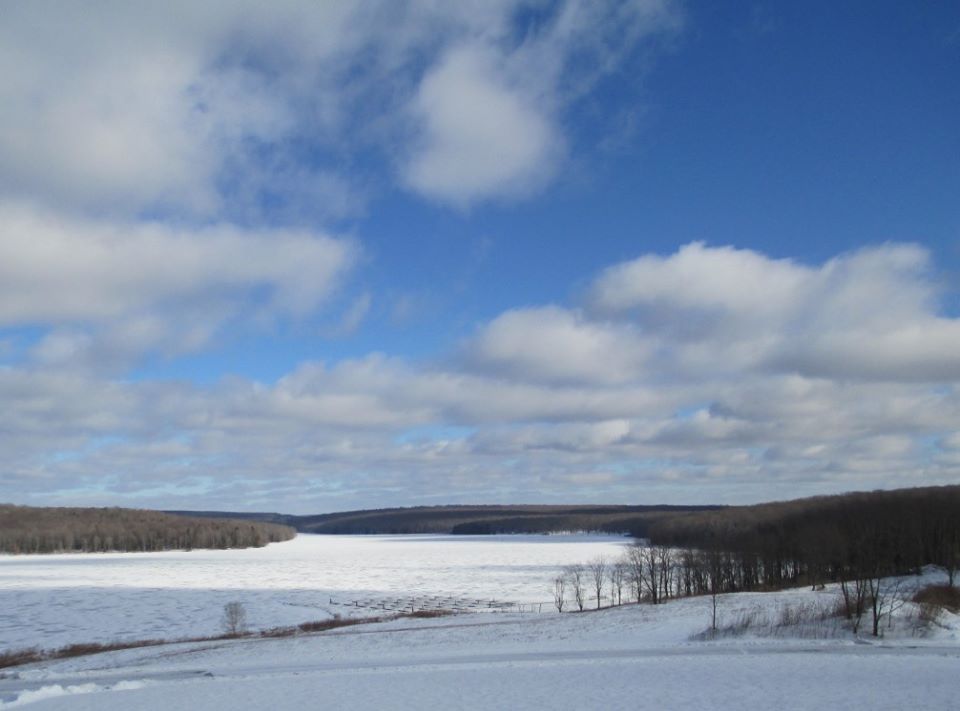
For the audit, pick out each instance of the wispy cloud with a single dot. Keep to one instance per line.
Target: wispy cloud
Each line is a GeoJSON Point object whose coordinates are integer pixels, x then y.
{"type": "Point", "coordinates": [215, 106]}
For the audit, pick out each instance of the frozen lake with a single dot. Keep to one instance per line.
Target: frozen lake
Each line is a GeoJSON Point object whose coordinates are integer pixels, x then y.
{"type": "Point", "coordinates": [52, 600]}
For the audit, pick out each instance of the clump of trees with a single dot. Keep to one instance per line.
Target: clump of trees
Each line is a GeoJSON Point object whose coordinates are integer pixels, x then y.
{"type": "Point", "coordinates": [655, 574]}
{"type": "Point", "coordinates": [643, 574]}
{"type": "Point", "coordinates": [25, 529]}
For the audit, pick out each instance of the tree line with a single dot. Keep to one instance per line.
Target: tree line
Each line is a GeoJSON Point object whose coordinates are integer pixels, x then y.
{"type": "Point", "coordinates": [26, 529]}
{"type": "Point", "coordinates": [644, 573]}
{"type": "Point", "coordinates": [656, 574]}
{"type": "Point", "coordinates": [825, 539]}
{"type": "Point", "coordinates": [477, 519]}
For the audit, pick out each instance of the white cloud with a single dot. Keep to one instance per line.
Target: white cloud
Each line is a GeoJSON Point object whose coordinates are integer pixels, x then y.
{"type": "Point", "coordinates": [65, 269]}
{"type": "Point", "coordinates": [410, 396]}
{"type": "Point", "coordinates": [332, 436]}
{"type": "Point", "coordinates": [200, 108]}
{"type": "Point", "coordinates": [551, 344]}
{"type": "Point", "coordinates": [541, 397]}
{"type": "Point", "coordinates": [719, 282]}
{"type": "Point", "coordinates": [488, 115]}
{"type": "Point", "coordinates": [98, 110]}
{"type": "Point", "coordinates": [870, 314]}
{"type": "Point", "coordinates": [712, 367]}
{"type": "Point", "coordinates": [354, 315]}
{"type": "Point", "coordinates": [481, 138]}
{"type": "Point", "coordinates": [143, 285]}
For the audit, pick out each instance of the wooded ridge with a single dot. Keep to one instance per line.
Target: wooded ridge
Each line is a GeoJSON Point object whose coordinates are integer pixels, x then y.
{"type": "Point", "coordinates": [817, 539]}
{"type": "Point", "coordinates": [27, 529]}
{"type": "Point", "coordinates": [825, 538]}
{"type": "Point", "coordinates": [479, 519]}
{"type": "Point", "coordinates": [814, 540]}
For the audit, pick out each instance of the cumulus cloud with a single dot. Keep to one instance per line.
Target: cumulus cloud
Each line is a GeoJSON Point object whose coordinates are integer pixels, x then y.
{"type": "Point", "coordinates": [205, 108]}
{"type": "Point", "coordinates": [720, 282]}
{"type": "Point", "coordinates": [66, 269]}
{"type": "Point", "coordinates": [871, 314]}
{"type": "Point", "coordinates": [145, 286]}
{"type": "Point", "coordinates": [552, 344]}
{"type": "Point", "coordinates": [110, 106]}
{"type": "Point", "coordinates": [480, 138]}
{"type": "Point", "coordinates": [487, 117]}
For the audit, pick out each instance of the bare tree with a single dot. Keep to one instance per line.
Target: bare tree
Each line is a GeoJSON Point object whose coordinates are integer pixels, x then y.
{"type": "Point", "coordinates": [665, 563]}
{"type": "Point", "coordinates": [950, 554]}
{"type": "Point", "coordinates": [598, 574]}
{"type": "Point", "coordinates": [559, 589]}
{"type": "Point", "coordinates": [886, 597]}
{"type": "Point", "coordinates": [575, 576]}
{"type": "Point", "coordinates": [714, 565]}
{"type": "Point", "coordinates": [863, 572]}
{"type": "Point", "coordinates": [617, 575]}
{"type": "Point", "coordinates": [234, 618]}
{"type": "Point", "coordinates": [854, 593]}
{"type": "Point", "coordinates": [650, 575]}
{"type": "Point", "coordinates": [633, 558]}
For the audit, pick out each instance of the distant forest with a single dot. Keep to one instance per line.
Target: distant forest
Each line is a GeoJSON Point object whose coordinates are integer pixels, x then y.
{"type": "Point", "coordinates": [477, 520]}
{"type": "Point", "coordinates": [765, 546]}
{"type": "Point", "coordinates": [814, 540]}
{"type": "Point", "coordinates": [25, 529]}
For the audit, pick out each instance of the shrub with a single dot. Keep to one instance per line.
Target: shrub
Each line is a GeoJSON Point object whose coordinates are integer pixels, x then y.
{"type": "Point", "coordinates": [943, 597]}
{"type": "Point", "coordinates": [20, 656]}
{"type": "Point", "coordinates": [234, 618]}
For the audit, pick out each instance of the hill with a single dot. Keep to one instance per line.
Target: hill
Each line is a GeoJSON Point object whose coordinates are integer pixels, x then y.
{"type": "Point", "coordinates": [464, 520]}
{"type": "Point", "coordinates": [825, 538]}
{"type": "Point", "coordinates": [26, 529]}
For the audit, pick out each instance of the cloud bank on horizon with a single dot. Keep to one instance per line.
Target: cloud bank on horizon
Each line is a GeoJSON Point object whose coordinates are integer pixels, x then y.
{"type": "Point", "coordinates": [318, 257]}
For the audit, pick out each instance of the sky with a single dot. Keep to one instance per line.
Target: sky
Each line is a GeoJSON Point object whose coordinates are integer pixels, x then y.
{"type": "Point", "coordinates": [310, 257]}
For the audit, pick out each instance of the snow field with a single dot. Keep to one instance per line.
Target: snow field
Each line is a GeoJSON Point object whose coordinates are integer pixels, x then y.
{"type": "Point", "coordinates": [786, 682]}
{"type": "Point", "coordinates": [631, 657]}
{"type": "Point", "coordinates": [636, 656]}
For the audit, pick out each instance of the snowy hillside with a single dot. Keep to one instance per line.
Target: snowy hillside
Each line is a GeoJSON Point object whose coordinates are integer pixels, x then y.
{"type": "Point", "coordinates": [631, 657]}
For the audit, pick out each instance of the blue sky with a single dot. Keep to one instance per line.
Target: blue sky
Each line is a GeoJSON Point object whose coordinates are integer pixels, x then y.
{"type": "Point", "coordinates": [369, 254]}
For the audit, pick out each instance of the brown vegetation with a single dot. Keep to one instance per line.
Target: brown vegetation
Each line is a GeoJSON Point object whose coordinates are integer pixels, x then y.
{"type": "Point", "coordinates": [941, 596]}
{"type": "Point", "coordinates": [19, 657]}
{"type": "Point", "coordinates": [25, 529]}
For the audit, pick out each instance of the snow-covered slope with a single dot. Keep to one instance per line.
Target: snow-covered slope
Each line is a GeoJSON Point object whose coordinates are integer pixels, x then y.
{"type": "Point", "coordinates": [636, 656]}
{"type": "Point", "coordinates": [630, 657]}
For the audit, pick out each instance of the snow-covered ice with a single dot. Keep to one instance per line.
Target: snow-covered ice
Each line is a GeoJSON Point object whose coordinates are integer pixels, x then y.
{"type": "Point", "coordinates": [53, 600]}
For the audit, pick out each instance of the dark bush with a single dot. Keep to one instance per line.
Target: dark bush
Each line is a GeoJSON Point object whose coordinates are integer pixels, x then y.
{"type": "Point", "coordinates": [941, 596]}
